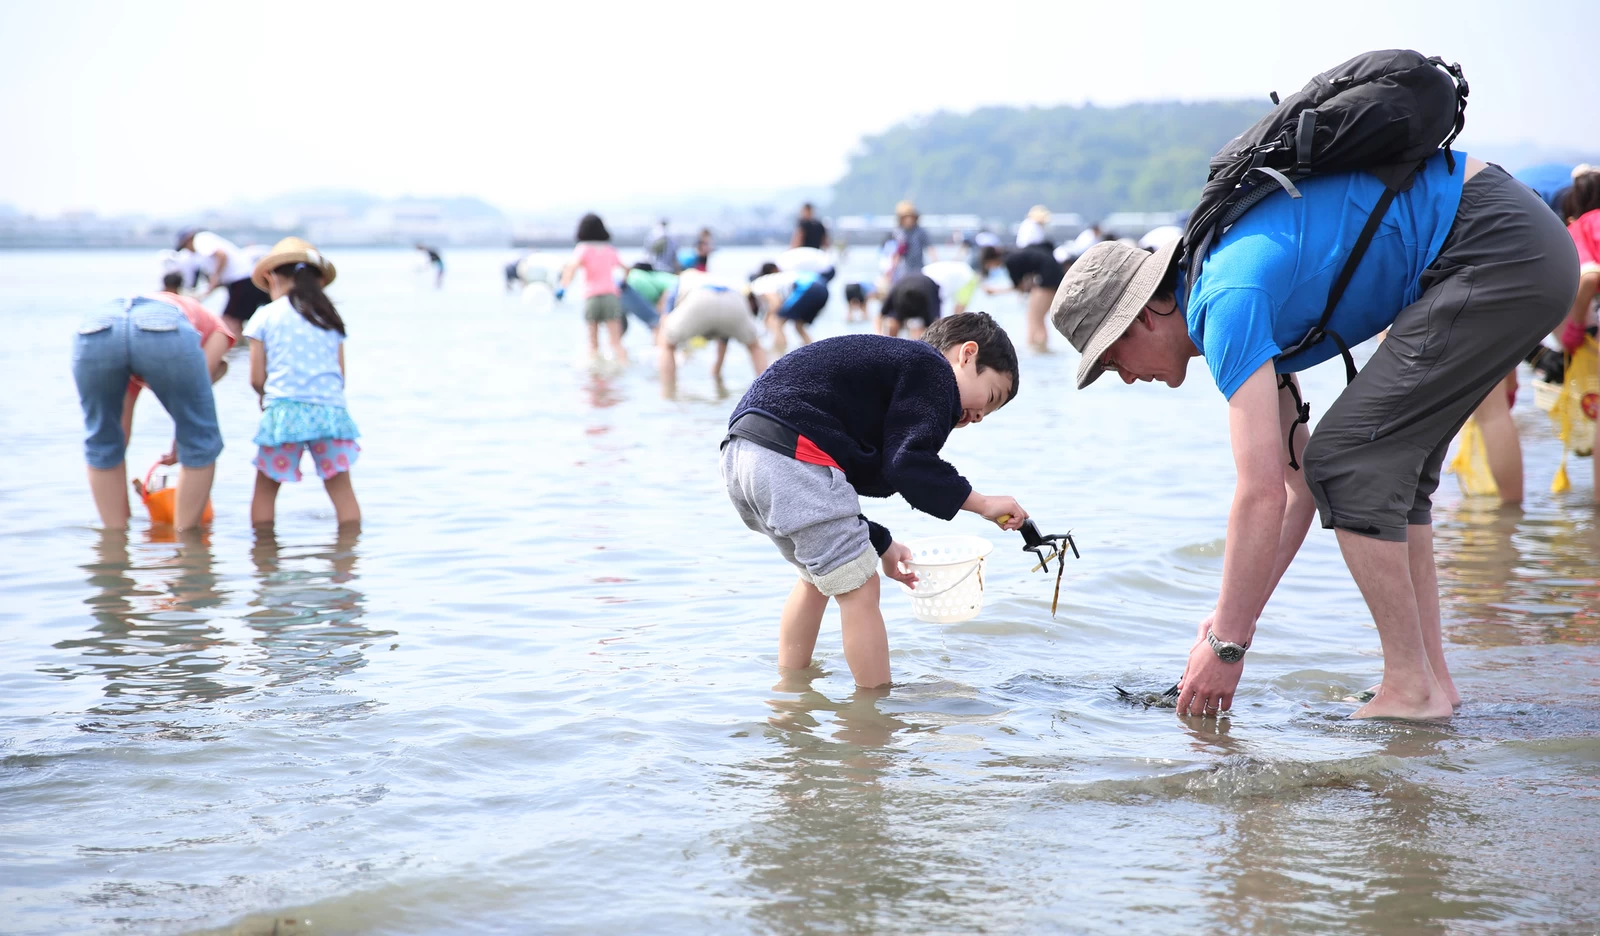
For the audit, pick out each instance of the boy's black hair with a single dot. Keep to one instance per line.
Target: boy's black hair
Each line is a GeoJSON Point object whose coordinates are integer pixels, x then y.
{"type": "Point", "coordinates": [172, 282]}
{"type": "Point", "coordinates": [591, 228]}
{"type": "Point", "coordinates": [989, 255]}
{"type": "Point", "coordinates": [767, 269]}
{"type": "Point", "coordinates": [994, 345]}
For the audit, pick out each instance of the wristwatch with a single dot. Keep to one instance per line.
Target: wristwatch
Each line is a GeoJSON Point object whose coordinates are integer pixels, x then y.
{"type": "Point", "coordinates": [1225, 651]}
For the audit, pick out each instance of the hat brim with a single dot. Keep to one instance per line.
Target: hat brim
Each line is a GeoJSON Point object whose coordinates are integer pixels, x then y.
{"type": "Point", "coordinates": [274, 260]}
{"type": "Point", "coordinates": [1134, 298]}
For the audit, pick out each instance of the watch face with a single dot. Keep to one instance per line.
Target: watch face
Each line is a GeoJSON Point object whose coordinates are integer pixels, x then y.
{"type": "Point", "coordinates": [1226, 652]}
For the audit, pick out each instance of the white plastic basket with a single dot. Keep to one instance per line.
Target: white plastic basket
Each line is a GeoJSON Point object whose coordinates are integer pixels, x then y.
{"type": "Point", "coordinates": [949, 577]}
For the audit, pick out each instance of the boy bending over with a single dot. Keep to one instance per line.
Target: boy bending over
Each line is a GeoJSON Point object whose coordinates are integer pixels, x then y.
{"type": "Point", "coordinates": [861, 414]}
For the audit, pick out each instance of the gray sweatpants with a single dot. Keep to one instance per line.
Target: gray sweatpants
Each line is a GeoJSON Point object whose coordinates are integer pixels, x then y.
{"type": "Point", "coordinates": [810, 511]}
{"type": "Point", "coordinates": [1505, 276]}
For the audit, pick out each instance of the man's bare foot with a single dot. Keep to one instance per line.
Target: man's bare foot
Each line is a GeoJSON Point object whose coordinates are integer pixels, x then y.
{"type": "Point", "coordinates": [1386, 704]}
{"type": "Point", "coordinates": [1371, 692]}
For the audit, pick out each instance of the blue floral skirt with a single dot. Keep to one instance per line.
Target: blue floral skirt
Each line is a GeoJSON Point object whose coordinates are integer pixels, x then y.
{"type": "Point", "coordinates": [287, 421]}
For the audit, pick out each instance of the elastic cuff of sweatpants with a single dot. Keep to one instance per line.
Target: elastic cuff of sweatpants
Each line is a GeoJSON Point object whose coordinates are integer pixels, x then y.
{"type": "Point", "coordinates": [848, 577]}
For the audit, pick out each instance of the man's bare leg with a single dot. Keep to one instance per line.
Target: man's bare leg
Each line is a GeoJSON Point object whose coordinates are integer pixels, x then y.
{"type": "Point", "coordinates": [797, 629]}
{"type": "Point", "coordinates": [1382, 571]}
{"type": "Point", "coordinates": [780, 341]}
{"type": "Point", "coordinates": [1425, 580]}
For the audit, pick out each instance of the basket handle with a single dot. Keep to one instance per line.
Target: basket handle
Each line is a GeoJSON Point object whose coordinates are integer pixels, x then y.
{"type": "Point", "coordinates": [977, 565]}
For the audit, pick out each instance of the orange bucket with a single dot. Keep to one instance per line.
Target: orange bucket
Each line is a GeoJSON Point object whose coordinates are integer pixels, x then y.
{"type": "Point", "coordinates": [162, 502]}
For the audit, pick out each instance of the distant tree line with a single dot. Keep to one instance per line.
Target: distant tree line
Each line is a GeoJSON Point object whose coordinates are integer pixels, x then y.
{"type": "Point", "coordinates": [999, 161]}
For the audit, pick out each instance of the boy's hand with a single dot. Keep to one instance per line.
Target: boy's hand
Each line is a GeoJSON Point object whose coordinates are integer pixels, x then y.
{"type": "Point", "coordinates": [892, 557]}
{"type": "Point", "coordinates": [1002, 510]}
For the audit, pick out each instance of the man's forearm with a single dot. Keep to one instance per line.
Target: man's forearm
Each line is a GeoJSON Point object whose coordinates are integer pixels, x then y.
{"type": "Point", "coordinates": [1249, 560]}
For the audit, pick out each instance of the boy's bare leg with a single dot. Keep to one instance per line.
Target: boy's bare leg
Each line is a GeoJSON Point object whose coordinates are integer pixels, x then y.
{"type": "Point", "coordinates": [1382, 571]}
{"type": "Point", "coordinates": [1500, 441]}
{"type": "Point", "coordinates": [805, 336]}
{"type": "Point", "coordinates": [264, 504]}
{"type": "Point", "coordinates": [343, 494]}
{"type": "Point", "coordinates": [194, 489]}
{"type": "Point", "coordinates": [866, 643]}
{"type": "Point", "coordinates": [797, 629]}
{"type": "Point", "coordinates": [889, 326]}
{"type": "Point", "coordinates": [109, 487]}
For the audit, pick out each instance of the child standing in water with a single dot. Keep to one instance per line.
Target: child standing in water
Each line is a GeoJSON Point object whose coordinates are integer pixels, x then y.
{"type": "Point", "coordinates": [297, 369]}
{"type": "Point", "coordinates": [602, 297]}
{"type": "Point", "coordinates": [861, 414]}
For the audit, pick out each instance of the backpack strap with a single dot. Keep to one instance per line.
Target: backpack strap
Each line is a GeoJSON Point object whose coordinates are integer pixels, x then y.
{"type": "Point", "coordinates": [1321, 330]}
{"type": "Point", "coordinates": [1302, 411]}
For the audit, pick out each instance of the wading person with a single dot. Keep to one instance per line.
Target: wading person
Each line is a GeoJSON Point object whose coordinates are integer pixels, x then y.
{"type": "Point", "coordinates": [173, 345]}
{"type": "Point", "coordinates": [602, 297]}
{"type": "Point", "coordinates": [854, 415]}
{"type": "Point", "coordinates": [227, 266]}
{"type": "Point", "coordinates": [297, 369]}
{"type": "Point", "coordinates": [698, 305]}
{"type": "Point", "coordinates": [1468, 270]}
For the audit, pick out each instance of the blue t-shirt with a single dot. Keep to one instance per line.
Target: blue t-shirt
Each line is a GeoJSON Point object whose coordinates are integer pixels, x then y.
{"type": "Point", "coordinates": [1264, 285]}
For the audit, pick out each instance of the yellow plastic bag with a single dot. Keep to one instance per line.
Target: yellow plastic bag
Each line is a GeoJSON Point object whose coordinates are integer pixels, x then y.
{"type": "Point", "coordinates": [1575, 410]}
{"type": "Point", "coordinates": [1471, 464]}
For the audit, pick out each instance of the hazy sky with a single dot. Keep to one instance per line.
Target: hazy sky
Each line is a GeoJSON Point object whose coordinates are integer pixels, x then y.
{"type": "Point", "coordinates": [166, 108]}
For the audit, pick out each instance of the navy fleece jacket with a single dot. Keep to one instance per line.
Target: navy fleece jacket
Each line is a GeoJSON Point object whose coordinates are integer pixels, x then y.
{"type": "Point", "coordinates": [880, 407]}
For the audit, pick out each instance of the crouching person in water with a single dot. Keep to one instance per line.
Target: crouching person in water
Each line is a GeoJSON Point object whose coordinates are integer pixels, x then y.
{"type": "Point", "coordinates": [1467, 271]}
{"type": "Point", "coordinates": [297, 368]}
{"type": "Point", "coordinates": [704, 307]}
{"type": "Point", "coordinates": [861, 414]}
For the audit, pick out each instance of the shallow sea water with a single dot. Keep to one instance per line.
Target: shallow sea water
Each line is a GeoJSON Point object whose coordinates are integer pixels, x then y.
{"type": "Point", "coordinates": [538, 691]}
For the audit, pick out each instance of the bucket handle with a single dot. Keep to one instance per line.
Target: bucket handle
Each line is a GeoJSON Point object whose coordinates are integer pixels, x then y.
{"type": "Point", "coordinates": [977, 566]}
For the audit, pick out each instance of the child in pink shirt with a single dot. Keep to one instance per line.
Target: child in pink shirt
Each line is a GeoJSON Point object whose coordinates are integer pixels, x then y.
{"type": "Point", "coordinates": [602, 298]}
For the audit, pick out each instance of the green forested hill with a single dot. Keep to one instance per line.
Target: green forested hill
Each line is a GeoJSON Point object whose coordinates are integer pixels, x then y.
{"type": "Point", "coordinates": [998, 161]}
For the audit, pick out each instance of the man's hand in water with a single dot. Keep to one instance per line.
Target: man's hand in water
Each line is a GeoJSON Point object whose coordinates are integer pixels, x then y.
{"type": "Point", "coordinates": [892, 557]}
{"type": "Point", "coordinates": [993, 508]}
{"type": "Point", "coordinates": [1208, 683]}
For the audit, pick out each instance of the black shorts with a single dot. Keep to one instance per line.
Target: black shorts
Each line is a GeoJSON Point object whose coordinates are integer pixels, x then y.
{"type": "Point", "coordinates": [807, 305]}
{"type": "Point", "coordinates": [853, 292]}
{"type": "Point", "coordinates": [244, 298]}
{"type": "Point", "coordinates": [1036, 262]}
{"type": "Point", "coordinates": [1504, 278]}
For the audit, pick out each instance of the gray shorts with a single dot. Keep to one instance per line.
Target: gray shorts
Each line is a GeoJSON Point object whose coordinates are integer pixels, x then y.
{"type": "Point", "coordinates": [602, 308]}
{"type": "Point", "coordinates": [810, 511]}
{"type": "Point", "coordinates": [1504, 278]}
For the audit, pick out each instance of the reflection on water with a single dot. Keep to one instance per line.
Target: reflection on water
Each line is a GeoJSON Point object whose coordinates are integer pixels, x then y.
{"type": "Point", "coordinates": [1508, 577]}
{"type": "Point", "coordinates": [151, 641]}
{"type": "Point", "coordinates": [843, 846]}
{"type": "Point", "coordinates": [307, 608]}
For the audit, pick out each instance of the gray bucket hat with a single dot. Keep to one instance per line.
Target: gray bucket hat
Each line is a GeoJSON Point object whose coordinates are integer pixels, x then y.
{"type": "Point", "coordinates": [1101, 296]}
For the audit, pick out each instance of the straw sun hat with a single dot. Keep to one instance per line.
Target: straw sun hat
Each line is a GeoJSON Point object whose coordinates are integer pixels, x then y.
{"type": "Point", "coordinates": [905, 208]}
{"type": "Point", "coordinates": [291, 250]}
{"type": "Point", "coordinates": [1040, 214]}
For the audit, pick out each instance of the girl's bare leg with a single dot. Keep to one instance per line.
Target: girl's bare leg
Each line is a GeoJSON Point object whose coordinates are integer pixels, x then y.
{"type": "Point", "coordinates": [614, 331]}
{"type": "Point", "coordinates": [343, 495]}
{"type": "Point", "coordinates": [109, 487]}
{"type": "Point", "coordinates": [594, 339]}
{"type": "Point", "coordinates": [264, 504]}
{"type": "Point", "coordinates": [797, 629]}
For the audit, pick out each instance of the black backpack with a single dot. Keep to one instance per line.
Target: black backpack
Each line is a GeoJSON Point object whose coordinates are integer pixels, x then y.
{"type": "Point", "coordinates": [1386, 113]}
